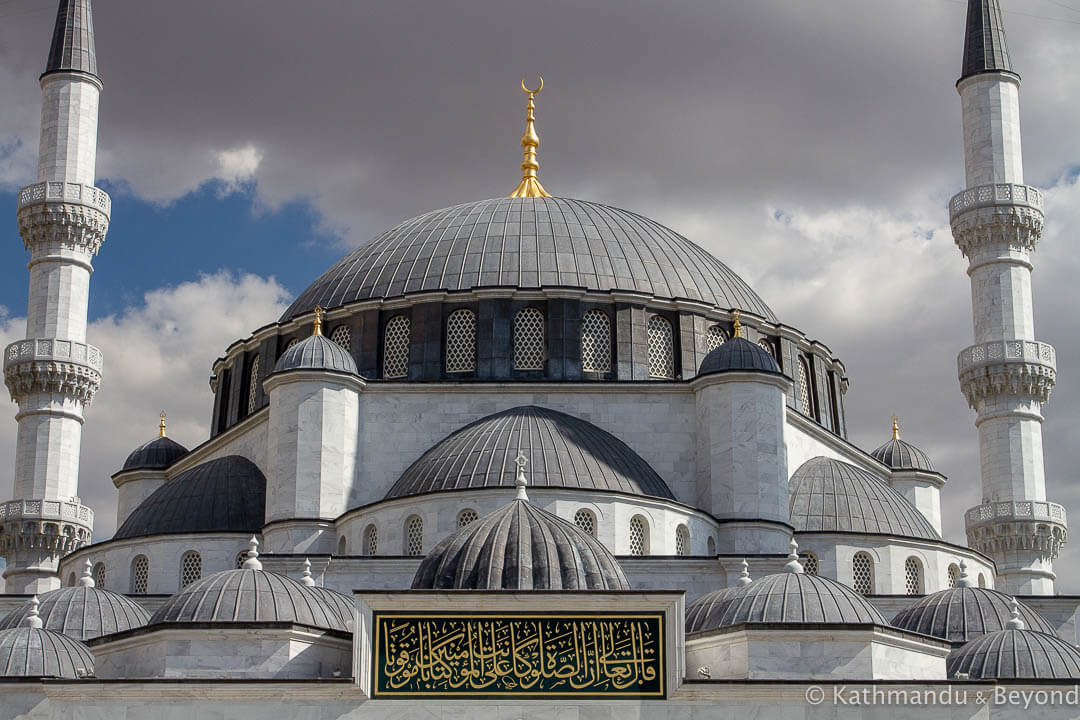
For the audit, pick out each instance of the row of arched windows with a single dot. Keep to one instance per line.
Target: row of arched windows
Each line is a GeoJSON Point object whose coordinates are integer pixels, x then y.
{"type": "Point", "coordinates": [190, 571]}
{"type": "Point", "coordinates": [862, 575]}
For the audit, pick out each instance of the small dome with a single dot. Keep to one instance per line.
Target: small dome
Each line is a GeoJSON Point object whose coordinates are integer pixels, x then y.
{"type": "Point", "coordinates": [520, 547]}
{"type": "Point", "coordinates": [704, 612]}
{"type": "Point", "coordinates": [901, 455]}
{"type": "Point", "coordinates": [832, 496]}
{"type": "Point", "coordinates": [738, 354]}
{"type": "Point", "coordinates": [316, 353]}
{"type": "Point", "coordinates": [338, 602]}
{"type": "Point", "coordinates": [83, 612]}
{"type": "Point", "coordinates": [158, 454]}
{"type": "Point", "coordinates": [1015, 654]}
{"type": "Point", "coordinates": [565, 452]}
{"type": "Point", "coordinates": [227, 494]}
{"type": "Point", "coordinates": [33, 652]}
{"type": "Point", "coordinates": [961, 614]}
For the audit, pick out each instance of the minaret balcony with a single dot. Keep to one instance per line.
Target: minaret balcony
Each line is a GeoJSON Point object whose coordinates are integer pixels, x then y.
{"type": "Point", "coordinates": [52, 525]}
{"type": "Point", "coordinates": [1017, 525]}
{"type": "Point", "coordinates": [63, 214]}
{"type": "Point", "coordinates": [1004, 215]}
{"type": "Point", "coordinates": [64, 366]}
{"type": "Point", "coordinates": [1024, 368]}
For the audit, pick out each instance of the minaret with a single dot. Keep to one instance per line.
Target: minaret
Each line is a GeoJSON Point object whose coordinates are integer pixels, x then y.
{"type": "Point", "coordinates": [53, 373]}
{"type": "Point", "coordinates": [1007, 374]}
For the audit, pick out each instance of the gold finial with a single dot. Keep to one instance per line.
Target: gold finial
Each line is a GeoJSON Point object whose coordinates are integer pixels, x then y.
{"type": "Point", "coordinates": [161, 425]}
{"type": "Point", "coordinates": [530, 186]}
{"type": "Point", "coordinates": [738, 325]}
{"type": "Point", "coordinates": [317, 330]}
{"type": "Point", "coordinates": [895, 427]}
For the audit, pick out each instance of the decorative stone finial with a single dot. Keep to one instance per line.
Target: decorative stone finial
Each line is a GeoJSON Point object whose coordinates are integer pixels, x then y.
{"type": "Point", "coordinates": [736, 330]}
{"type": "Point", "coordinates": [793, 565]}
{"type": "Point", "coordinates": [33, 619]}
{"type": "Point", "coordinates": [895, 427]}
{"type": "Point", "coordinates": [744, 575]}
{"type": "Point", "coordinates": [161, 425]}
{"type": "Point", "coordinates": [252, 562]}
{"type": "Point", "coordinates": [530, 186]}
{"type": "Point", "coordinates": [1015, 623]}
{"type": "Point", "coordinates": [520, 482]}
{"type": "Point", "coordinates": [963, 581]}
{"type": "Point", "coordinates": [87, 579]}
{"type": "Point", "coordinates": [317, 328]}
{"type": "Point", "coordinates": [306, 577]}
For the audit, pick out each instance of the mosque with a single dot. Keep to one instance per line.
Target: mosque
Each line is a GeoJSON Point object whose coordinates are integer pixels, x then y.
{"type": "Point", "coordinates": [529, 456]}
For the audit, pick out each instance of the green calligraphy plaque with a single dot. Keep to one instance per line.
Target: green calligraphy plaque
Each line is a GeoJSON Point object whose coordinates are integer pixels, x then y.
{"type": "Point", "coordinates": [522, 655]}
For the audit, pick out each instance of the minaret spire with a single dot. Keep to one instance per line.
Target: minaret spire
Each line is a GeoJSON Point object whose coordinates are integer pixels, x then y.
{"type": "Point", "coordinates": [73, 40]}
{"type": "Point", "coordinates": [984, 43]}
{"type": "Point", "coordinates": [530, 186]}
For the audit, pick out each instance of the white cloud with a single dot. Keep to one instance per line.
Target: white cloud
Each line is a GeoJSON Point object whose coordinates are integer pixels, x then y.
{"type": "Point", "coordinates": [238, 166]}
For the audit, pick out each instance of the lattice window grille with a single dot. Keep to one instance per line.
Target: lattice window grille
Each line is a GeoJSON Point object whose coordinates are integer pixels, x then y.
{"type": "Point", "coordinates": [862, 574]}
{"type": "Point", "coordinates": [99, 575]}
{"type": "Point", "coordinates": [714, 338]}
{"type": "Point", "coordinates": [804, 387]}
{"type": "Point", "coordinates": [241, 557]}
{"type": "Point", "coordinates": [639, 540]}
{"type": "Point", "coordinates": [661, 348]}
{"type": "Point", "coordinates": [414, 536]}
{"type": "Point", "coordinates": [461, 341]}
{"type": "Point", "coordinates": [809, 563]}
{"type": "Point", "coordinates": [342, 335]}
{"type": "Point", "coordinates": [140, 575]}
{"type": "Point", "coordinates": [292, 343]}
{"type": "Point", "coordinates": [913, 576]}
{"type": "Point", "coordinates": [595, 341]}
{"type": "Point", "coordinates": [529, 339]}
{"type": "Point", "coordinates": [954, 575]}
{"type": "Point", "coordinates": [396, 347]}
{"type": "Point", "coordinates": [253, 386]}
{"type": "Point", "coordinates": [767, 347]}
{"type": "Point", "coordinates": [371, 540]}
{"type": "Point", "coordinates": [585, 520]}
{"type": "Point", "coordinates": [682, 540]}
{"type": "Point", "coordinates": [466, 517]}
{"type": "Point", "coordinates": [190, 568]}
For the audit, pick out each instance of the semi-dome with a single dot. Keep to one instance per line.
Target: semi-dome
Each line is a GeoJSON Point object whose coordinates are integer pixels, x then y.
{"type": "Point", "coordinates": [316, 353]}
{"type": "Point", "coordinates": [83, 612]}
{"type": "Point", "coordinates": [227, 494]}
{"type": "Point", "coordinates": [738, 354]}
{"type": "Point", "coordinates": [828, 495]}
{"type": "Point", "coordinates": [158, 454]}
{"type": "Point", "coordinates": [530, 243]}
{"type": "Point", "coordinates": [520, 547]}
{"type": "Point", "coordinates": [1015, 653]}
{"type": "Point", "coordinates": [564, 451]}
{"type": "Point", "coordinates": [31, 651]}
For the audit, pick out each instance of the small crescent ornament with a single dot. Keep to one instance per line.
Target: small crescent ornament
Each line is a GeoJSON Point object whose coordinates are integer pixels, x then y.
{"type": "Point", "coordinates": [532, 92]}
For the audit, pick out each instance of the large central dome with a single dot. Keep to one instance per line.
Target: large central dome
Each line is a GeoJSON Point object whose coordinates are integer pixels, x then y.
{"type": "Point", "coordinates": [530, 243]}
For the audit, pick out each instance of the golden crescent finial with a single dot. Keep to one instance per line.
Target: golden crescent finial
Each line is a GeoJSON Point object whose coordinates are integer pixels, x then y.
{"type": "Point", "coordinates": [530, 186]}
{"type": "Point", "coordinates": [161, 425]}
{"type": "Point", "coordinates": [532, 92]}
{"type": "Point", "coordinates": [895, 427]}
{"type": "Point", "coordinates": [317, 329]}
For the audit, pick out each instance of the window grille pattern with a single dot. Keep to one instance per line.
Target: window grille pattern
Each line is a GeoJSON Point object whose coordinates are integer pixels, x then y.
{"type": "Point", "coordinates": [661, 348]}
{"type": "Point", "coordinates": [99, 575]}
{"type": "Point", "coordinates": [682, 540]}
{"type": "Point", "coordinates": [585, 520]}
{"type": "Point", "coordinates": [253, 386]}
{"type": "Point", "coordinates": [529, 339]}
{"type": "Point", "coordinates": [461, 341]}
{"type": "Point", "coordinates": [809, 563]}
{"type": "Point", "coordinates": [466, 516]}
{"type": "Point", "coordinates": [804, 387]}
{"type": "Point", "coordinates": [913, 583]}
{"type": "Point", "coordinates": [639, 536]}
{"type": "Point", "coordinates": [714, 338]}
{"type": "Point", "coordinates": [595, 341]}
{"type": "Point", "coordinates": [140, 574]}
{"type": "Point", "coordinates": [342, 335]}
{"type": "Point", "coordinates": [191, 567]}
{"type": "Point", "coordinates": [414, 536]}
{"type": "Point", "coordinates": [711, 546]}
{"type": "Point", "coordinates": [293, 343]}
{"type": "Point", "coordinates": [954, 574]}
{"type": "Point", "coordinates": [862, 574]}
{"type": "Point", "coordinates": [766, 346]}
{"type": "Point", "coordinates": [241, 557]}
{"type": "Point", "coordinates": [371, 540]}
{"type": "Point", "coordinates": [396, 347]}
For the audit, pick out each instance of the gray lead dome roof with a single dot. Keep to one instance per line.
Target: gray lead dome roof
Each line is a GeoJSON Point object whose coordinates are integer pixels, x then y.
{"type": "Point", "coordinates": [83, 613]}
{"type": "Point", "coordinates": [962, 613]}
{"type": "Point", "coordinates": [832, 496]}
{"type": "Point", "coordinates": [563, 451]}
{"type": "Point", "coordinates": [33, 652]}
{"type": "Point", "coordinates": [1015, 654]}
{"type": "Point", "coordinates": [738, 354]}
{"type": "Point", "coordinates": [316, 353]}
{"type": "Point", "coordinates": [158, 454]}
{"type": "Point", "coordinates": [901, 455]}
{"type": "Point", "coordinates": [530, 243]}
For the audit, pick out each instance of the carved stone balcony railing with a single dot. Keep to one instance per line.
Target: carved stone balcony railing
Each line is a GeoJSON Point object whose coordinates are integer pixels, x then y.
{"type": "Point", "coordinates": [1026, 368]}
{"type": "Point", "coordinates": [982, 196]}
{"type": "Point", "coordinates": [59, 510]}
{"type": "Point", "coordinates": [46, 528]}
{"type": "Point", "coordinates": [65, 192]}
{"type": "Point", "coordinates": [63, 216]}
{"type": "Point", "coordinates": [36, 365]}
{"type": "Point", "coordinates": [1028, 525]}
{"type": "Point", "coordinates": [1004, 351]}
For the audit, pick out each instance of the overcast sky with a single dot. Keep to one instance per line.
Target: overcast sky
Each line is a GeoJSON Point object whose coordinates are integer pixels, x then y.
{"type": "Point", "coordinates": [811, 145]}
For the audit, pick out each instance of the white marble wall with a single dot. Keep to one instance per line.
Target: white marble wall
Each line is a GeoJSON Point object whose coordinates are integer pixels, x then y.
{"type": "Point", "coordinates": [1010, 451]}
{"type": "Point", "coordinates": [991, 107]}
{"type": "Point", "coordinates": [47, 447]}
{"type": "Point", "coordinates": [59, 293]}
{"type": "Point", "coordinates": [69, 118]}
{"type": "Point", "coordinates": [134, 486]}
{"type": "Point", "coordinates": [923, 490]}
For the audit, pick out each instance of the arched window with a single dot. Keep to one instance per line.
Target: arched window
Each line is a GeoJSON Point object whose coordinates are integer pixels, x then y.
{"type": "Point", "coordinates": [661, 348]}
{"type": "Point", "coordinates": [140, 574]}
{"type": "Point", "coordinates": [253, 386]}
{"type": "Point", "coordinates": [99, 575]}
{"type": "Point", "coordinates": [714, 338]}
{"type": "Point", "coordinates": [414, 535]}
{"type": "Point", "coordinates": [190, 567]}
{"type": "Point", "coordinates": [585, 520]}
{"type": "Point", "coordinates": [804, 388]}
{"type": "Point", "coordinates": [809, 562]}
{"type": "Point", "coordinates": [529, 339]}
{"type": "Point", "coordinates": [913, 576]}
{"type": "Point", "coordinates": [396, 347]}
{"type": "Point", "coordinates": [766, 346]}
{"type": "Point", "coordinates": [954, 574]}
{"type": "Point", "coordinates": [682, 540]}
{"type": "Point", "coordinates": [982, 580]}
{"type": "Point", "coordinates": [862, 573]}
{"type": "Point", "coordinates": [292, 343]}
{"type": "Point", "coordinates": [639, 536]}
{"type": "Point", "coordinates": [342, 335]}
{"type": "Point", "coordinates": [595, 342]}
{"type": "Point", "coordinates": [465, 517]}
{"type": "Point", "coordinates": [71, 580]}
{"type": "Point", "coordinates": [342, 546]}
{"type": "Point", "coordinates": [241, 558]}
{"type": "Point", "coordinates": [711, 545]}
{"type": "Point", "coordinates": [371, 540]}
{"type": "Point", "coordinates": [461, 341]}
